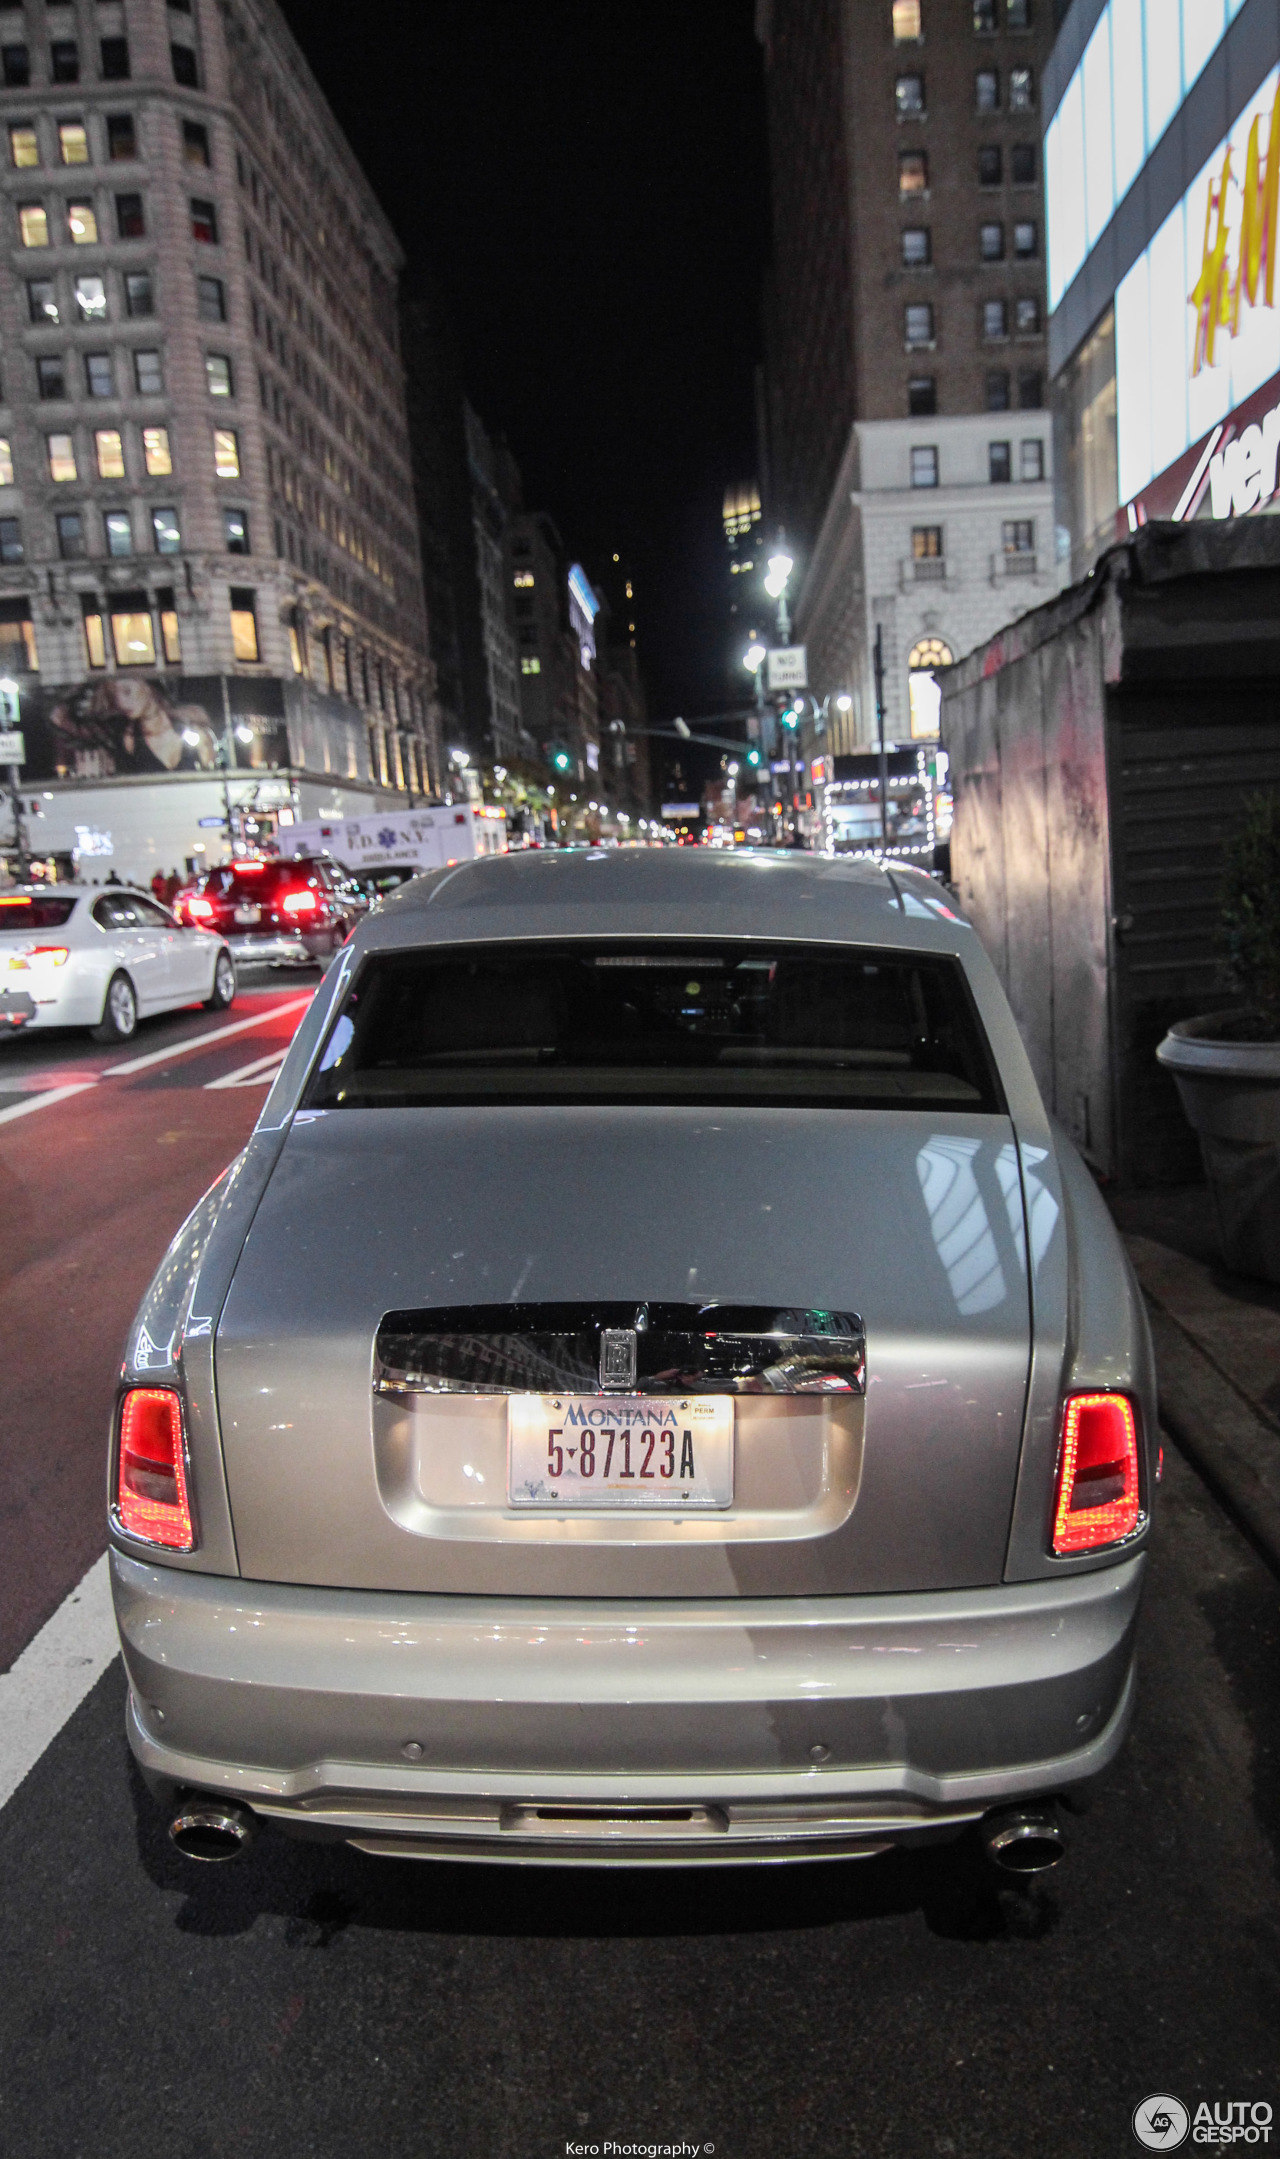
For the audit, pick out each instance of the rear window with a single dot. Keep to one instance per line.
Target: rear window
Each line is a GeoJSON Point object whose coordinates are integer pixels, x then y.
{"type": "Point", "coordinates": [34, 911]}
{"type": "Point", "coordinates": [261, 883]}
{"type": "Point", "coordinates": [705, 1022]}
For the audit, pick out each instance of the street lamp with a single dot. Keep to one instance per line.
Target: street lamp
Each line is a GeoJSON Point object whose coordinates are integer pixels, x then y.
{"type": "Point", "coordinates": [781, 565]}
{"type": "Point", "coordinates": [754, 656]}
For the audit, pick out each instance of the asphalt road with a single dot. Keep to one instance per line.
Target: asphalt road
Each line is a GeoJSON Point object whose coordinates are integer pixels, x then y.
{"type": "Point", "coordinates": [314, 2001]}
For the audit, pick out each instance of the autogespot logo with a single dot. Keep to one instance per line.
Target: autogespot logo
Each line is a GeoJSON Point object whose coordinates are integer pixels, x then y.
{"type": "Point", "coordinates": [1162, 2122]}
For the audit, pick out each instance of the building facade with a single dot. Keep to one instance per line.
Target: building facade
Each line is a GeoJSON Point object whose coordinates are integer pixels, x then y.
{"type": "Point", "coordinates": [909, 451]}
{"type": "Point", "coordinates": [1162, 168]}
{"type": "Point", "coordinates": [209, 558]}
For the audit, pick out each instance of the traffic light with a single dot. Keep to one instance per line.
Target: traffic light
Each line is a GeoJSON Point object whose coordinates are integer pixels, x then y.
{"type": "Point", "coordinates": [753, 757]}
{"type": "Point", "coordinates": [790, 717]}
{"type": "Point", "coordinates": [562, 760]}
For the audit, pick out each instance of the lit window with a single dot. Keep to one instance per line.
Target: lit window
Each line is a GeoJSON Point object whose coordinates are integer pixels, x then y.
{"type": "Point", "coordinates": [195, 143]}
{"type": "Point", "coordinates": [73, 142]}
{"type": "Point", "coordinates": [164, 527]}
{"type": "Point", "coordinates": [295, 650]}
{"type": "Point", "coordinates": [924, 467]}
{"type": "Point", "coordinates": [906, 20]}
{"type": "Point", "coordinates": [108, 449]}
{"type": "Point", "coordinates": [918, 323]}
{"type": "Point", "coordinates": [51, 378]}
{"type": "Point", "coordinates": [913, 172]}
{"type": "Point", "coordinates": [235, 531]}
{"type": "Point", "coordinates": [922, 396]}
{"type": "Point", "coordinates": [134, 638]}
{"type": "Point", "coordinates": [1019, 536]}
{"type": "Point", "coordinates": [990, 165]}
{"type": "Point", "coordinates": [118, 531]}
{"type": "Point", "coordinates": [995, 319]}
{"type": "Point", "coordinates": [926, 542]}
{"type": "Point", "coordinates": [15, 65]}
{"type": "Point", "coordinates": [204, 222]}
{"type": "Point", "coordinates": [10, 540]}
{"type": "Point", "coordinates": [114, 53]}
{"type": "Point", "coordinates": [244, 625]}
{"type": "Point", "coordinates": [1021, 90]}
{"type": "Point", "coordinates": [1026, 241]}
{"type": "Point", "coordinates": [1031, 459]}
{"type": "Point", "coordinates": [42, 301]}
{"type": "Point", "coordinates": [62, 458]}
{"type": "Point", "coordinates": [94, 642]}
{"type": "Point", "coordinates": [909, 95]}
{"type": "Point", "coordinates": [1027, 317]}
{"type": "Point", "coordinates": [33, 224]}
{"type": "Point", "coordinates": [64, 60]}
{"type": "Point", "coordinates": [217, 368]}
{"type": "Point", "coordinates": [148, 374]}
{"type": "Point", "coordinates": [122, 140]}
{"type": "Point", "coordinates": [211, 304]}
{"type": "Point", "coordinates": [139, 298]}
{"type": "Point", "coordinates": [6, 463]}
{"type": "Point", "coordinates": [184, 66]}
{"type": "Point", "coordinates": [82, 224]}
{"type": "Point", "coordinates": [170, 635]}
{"type": "Point", "coordinates": [23, 146]}
{"type": "Point", "coordinates": [916, 250]}
{"type": "Point", "coordinates": [984, 16]}
{"type": "Point", "coordinates": [986, 89]}
{"type": "Point", "coordinates": [91, 299]}
{"type": "Point", "coordinates": [70, 535]}
{"type": "Point", "coordinates": [155, 450]}
{"type": "Point", "coordinates": [1022, 163]}
{"type": "Point", "coordinates": [523, 580]}
{"type": "Point", "coordinates": [999, 463]}
{"type": "Point", "coordinates": [998, 390]}
{"type": "Point", "coordinates": [530, 665]}
{"type": "Point", "coordinates": [131, 224]}
{"type": "Point", "coordinates": [226, 453]}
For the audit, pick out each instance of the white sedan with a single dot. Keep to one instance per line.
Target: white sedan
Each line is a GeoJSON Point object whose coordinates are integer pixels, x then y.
{"type": "Point", "coordinates": [103, 958]}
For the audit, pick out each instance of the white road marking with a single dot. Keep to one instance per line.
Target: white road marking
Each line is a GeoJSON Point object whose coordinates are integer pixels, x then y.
{"type": "Point", "coordinates": [259, 1074]}
{"type": "Point", "coordinates": [199, 1042]}
{"type": "Point", "coordinates": [53, 1675]}
{"type": "Point", "coordinates": [42, 1101]}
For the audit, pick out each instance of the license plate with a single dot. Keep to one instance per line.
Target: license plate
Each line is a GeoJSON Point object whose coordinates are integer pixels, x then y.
{"type": "Point", "coordinates": [625, 1450]}
{"type": "Point", "coordinates": [248, 914]}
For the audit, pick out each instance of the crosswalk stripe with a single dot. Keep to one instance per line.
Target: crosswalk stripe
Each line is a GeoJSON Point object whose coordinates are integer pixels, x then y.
{"type": "Point", "coordinates": [48, 1682]}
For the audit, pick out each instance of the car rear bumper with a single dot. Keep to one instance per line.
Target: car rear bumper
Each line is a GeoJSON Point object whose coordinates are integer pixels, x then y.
{"type": "Point", "coordinates": [279, 948]}
{"type": "Point", "coordinates": [628, 1732]}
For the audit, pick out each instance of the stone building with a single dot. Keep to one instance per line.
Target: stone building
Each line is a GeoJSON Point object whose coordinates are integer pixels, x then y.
{"type": "Point", "coordinates": [909, 446]}
{"type": "Point", "coordinates": [205, 483]}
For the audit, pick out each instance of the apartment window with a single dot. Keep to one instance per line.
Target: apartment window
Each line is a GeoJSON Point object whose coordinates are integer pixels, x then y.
{"type": "Point", "coordinates": [94, 642]}
{"type": "Point", "coordinates": [108, 450]}
{"type": "Point", "coordinates": [155, 451]}
{"type": "Point", "coordinates": [62, 458]}
{"type": "Point", "coordinates": [991, 243]}
{"type": "Point", "coordinates": [42, 301]}
{"type": "Point", "coordinates": [530, 664]}
{"type": "Point", "coordinates": [98, 379]}
{"type": "Point", "coordinates": [139, 296]}
{"type": "Point", "coordinates": [184, 66]}
{"type": "Point", "coordinates": [131, 223]}
{"type": "Point", "coordinates": [995, 319]}
{"type": "Point", "coordinates": [235, 531]}
{"type": "Point", "coordinates": [998, 390]}
{"type": "Point", "coordinates": [1021, 90]}
{"type": "Point", "coordinates": [990, 165]}
{"type": "Point", "coordinates": [24, 149]}
{"type": "Point", "coordinates": [10, 540]}
{"type": "Point", "coordinates": [244, 624]}
{"type": "Point", "coordinates": [913, 172]}
{"type": "Point", "coordinates": [924, 466]}
{"type": "Point", "coordinates": [82, 224]}
{"type": "Point", "coordinates": [999, 463]}
{"type": "Point", "coordinates": [916, 250]}
{"type": "Point", "coordinates": [64, 60]}
{"type": "Point", "coordinates": [51, 379]}
{"type": "Point", "coordinates": [148, 374]}
{"type": "Point", "coordinates": [122, 138]}
{"type": "Point", "coordinates": [1027, 317]}
{"type": "Point", "coordinates": [1026, 241]}
{"type": "Point", "coordinates": [986, 89]}
{"type": "Point", "coordinates": [1030, 389]}
{"type": "Point", "coordinates": [133, 634]}
{"type": "Point", "coordinates": [204, 221]}
{"type": "Point", "coordinates": [169, 629]}
{"type": "Point", "coordinates": [909, 96]}
{"type": "Point", "coordinates": [926, 543]}
{"type": "Point", "coordinates": [1018, 14]}
{"type": "Point", "coordinates": [15, 65]}
{"type": "Point", "coordinates": [984, 17]}
{"type": "Point", "coordinates": [295, 650]}
{"type": "Point", "coordinates": [71, 545]}
{"type": "Point", "coordinates": [918, 323]}
{"type": "Point", "coordinates": [906, 20]}
{"type": "Point", "coordinates": [217, 368]}
{"type": "Point", "coordinates": [91, 299]}
{"type": "Point", "coordinates": [211, 300]}
{"type": "Point", "coordinates": [114, 55]}
{"type": "Point", "coordinates": [165, 531]}
{"type": "Point", "coordinates": [180, 7]}
{"type": "Point", "coordinates": [1022, 164]}
{"type": "Point", "coordinates": [33, 224]}
{"type": "Point", "coordinates": [1031, 458]}
{"type": "Point", "coordinates": [1019, 536]}
{"type": "Point", "coordinates": [73, 142]}
{"type": "Point", "coordinates": [195, 143]}
{"type": "Point", "coordinates": [226, 453]}
{"type": "Point", "coordinates": [922, 396]}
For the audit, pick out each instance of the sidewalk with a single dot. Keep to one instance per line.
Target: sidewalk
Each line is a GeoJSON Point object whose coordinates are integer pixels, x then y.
{"type": "Point", "coordinates": [1217, 1340]}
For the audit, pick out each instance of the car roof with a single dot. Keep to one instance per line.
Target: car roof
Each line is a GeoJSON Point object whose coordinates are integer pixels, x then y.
{"type": "Point", "coordinates": [540, 893]}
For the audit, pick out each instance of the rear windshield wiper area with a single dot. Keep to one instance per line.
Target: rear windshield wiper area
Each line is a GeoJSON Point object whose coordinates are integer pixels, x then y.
{"type": "Point", "coordinates": [653, 1021]}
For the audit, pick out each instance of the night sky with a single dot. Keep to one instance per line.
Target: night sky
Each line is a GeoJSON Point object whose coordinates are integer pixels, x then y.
{"type": "Point", "coordinates": [588, 185]}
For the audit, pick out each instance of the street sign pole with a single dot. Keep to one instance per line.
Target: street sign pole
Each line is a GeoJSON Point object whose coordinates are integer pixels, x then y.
{"type": "Point", "coordinates": [884, 754]}
{"type": "Point", "coordinates": [13, 752]}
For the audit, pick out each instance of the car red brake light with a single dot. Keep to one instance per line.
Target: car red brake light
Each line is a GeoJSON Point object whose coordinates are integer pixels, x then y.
{"type": "Point", "coordinates": [301, 903]}
{"type": "Point", "coordinates": [151, 1481]}
{"type": "Point", "coordinates": [1098, 1500]}
{"type": "Point", "coordinates": [200, 910]}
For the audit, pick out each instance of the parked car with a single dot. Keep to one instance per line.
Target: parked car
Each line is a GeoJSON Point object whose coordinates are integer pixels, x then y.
{"type": "Point", "coordinates": [677, 1396]}
{"type": "Point", "coordinates": [85, 956]}
{"type": "Point", "coordinates": [278, 914]}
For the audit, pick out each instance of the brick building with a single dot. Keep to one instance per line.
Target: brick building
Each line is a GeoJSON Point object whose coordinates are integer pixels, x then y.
{"type": "Point", "coordinates": [205, 482]}
{"type": "Point", "coordinates": [909, 448]}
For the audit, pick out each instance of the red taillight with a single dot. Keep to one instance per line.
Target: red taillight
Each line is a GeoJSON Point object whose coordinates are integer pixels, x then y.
{"type": "Point", "coordinates": [151, 1482]}
{"type": "Point", "coordinates": [300, 903]}
{"type": "Point", "coordinates": [1098, 1500]}
{"type": "Point", "coordinates": [199, 910]}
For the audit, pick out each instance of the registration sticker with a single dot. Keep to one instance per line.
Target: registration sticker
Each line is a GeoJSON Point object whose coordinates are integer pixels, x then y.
{"type": "Point", "coordinates": [625, 1450]}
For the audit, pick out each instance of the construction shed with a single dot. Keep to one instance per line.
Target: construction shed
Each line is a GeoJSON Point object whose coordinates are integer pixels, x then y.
{"type": "Point", "coordinates": [1102, 750]}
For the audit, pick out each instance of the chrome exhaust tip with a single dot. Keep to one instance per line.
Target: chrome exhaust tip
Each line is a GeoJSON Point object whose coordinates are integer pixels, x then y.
{"type": "Point", "coordinates": [1023, 1840]}
{"type": "Point", "coordinates": [211, 1829]}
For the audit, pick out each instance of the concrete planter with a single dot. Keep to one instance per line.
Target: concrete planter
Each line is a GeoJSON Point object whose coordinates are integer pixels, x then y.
{"type": "Point", "coordinates": [1231, 1094]}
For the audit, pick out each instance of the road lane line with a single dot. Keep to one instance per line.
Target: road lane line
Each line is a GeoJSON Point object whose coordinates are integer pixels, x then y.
{"type": "Point", "coordinates": [259, 1073]}
{"type": "Point", "coordinates": [42, 1101]}
{"type": "Point", "coordinates": [48, 1682]}
{"type": "Point", "coordinates": [199, 1042]}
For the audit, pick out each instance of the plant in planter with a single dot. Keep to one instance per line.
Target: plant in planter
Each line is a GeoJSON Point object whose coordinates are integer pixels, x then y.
{"type": "Point", "coordinates": [1227, 1064]}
